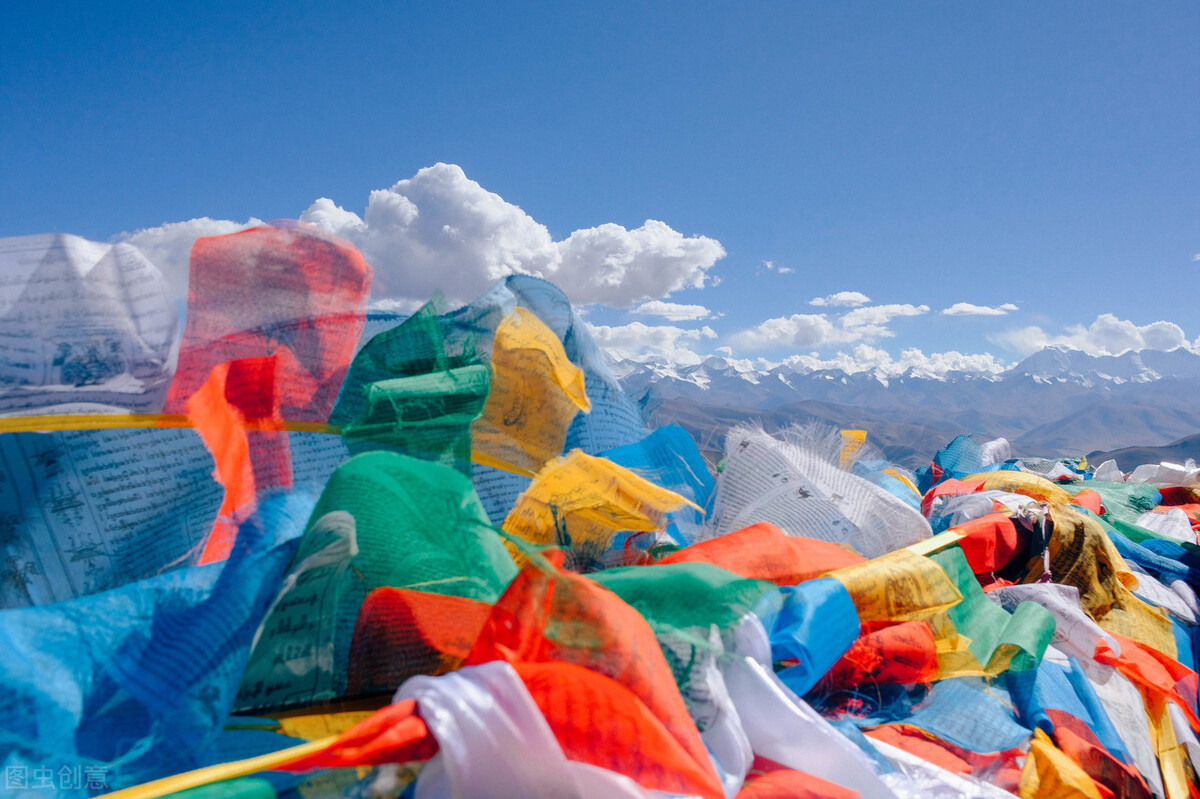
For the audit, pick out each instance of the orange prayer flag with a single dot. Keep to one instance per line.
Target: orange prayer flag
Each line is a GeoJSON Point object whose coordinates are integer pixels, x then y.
{"type": "Point", "coordinates": [764, 552]}
{"type": "Point", "coordinates": [600, 722]}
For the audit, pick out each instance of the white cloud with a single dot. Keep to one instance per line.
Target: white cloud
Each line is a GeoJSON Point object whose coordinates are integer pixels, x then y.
{"type": "Point", "coordinates": [619, 267]}
{"type": "Point", "coordinates": [169, 246]}
{"type": "Point", "coordinates": [866, 358]}
{"type": "Point", "coordinates": [1196, 257]}
{"type": "Point", "coordinates": [441, 230]}
{"type": "Point", "coordinates": [1107, 335]}
{"type": "Point", "coordinates": [673, 311]}
{"type": "Point", "coordinates": [770, 266]}
{"type": "Point", "coordinates": [797, 330]}
{"type": "Point", "coordinates": [875, 316]}
{"type": "Point", "coordinates": [640, 341]}
{"type": "Point", "coordinates": [970, 309]}
{"type": "Point", "coordinates": [842, 298]}
{"type": "Point", "coordinates": [864, 324]}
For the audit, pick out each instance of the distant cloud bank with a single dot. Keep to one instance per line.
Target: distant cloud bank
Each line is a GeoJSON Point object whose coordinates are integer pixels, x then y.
{"type": "Point", "coordinates": [866, 323]}
{"type": "Point", "coordinates": [1108, 335]}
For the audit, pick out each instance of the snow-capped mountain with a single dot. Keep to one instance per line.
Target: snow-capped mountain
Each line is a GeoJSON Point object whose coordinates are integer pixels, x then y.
{"type": "Point", "coordinates": [1056, 401]}
{"type": "Point", "coordinates": [1055, 364]}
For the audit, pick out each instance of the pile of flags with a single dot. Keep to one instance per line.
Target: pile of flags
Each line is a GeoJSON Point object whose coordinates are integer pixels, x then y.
{"type": "Point", "coordinates": [264, 540]}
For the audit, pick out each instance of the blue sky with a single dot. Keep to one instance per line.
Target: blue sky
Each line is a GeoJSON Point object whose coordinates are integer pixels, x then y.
{"type": "Point", "coordinates": [1038, 155]}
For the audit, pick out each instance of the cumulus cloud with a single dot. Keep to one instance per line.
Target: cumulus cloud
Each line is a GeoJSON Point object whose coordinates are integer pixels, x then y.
{"type": "Point", "coordinates": [441, 230]}
{"type": "Point", "coordinates": [864, 324]}
{"type": "Point", "coordinates": [673, 311]}
{"type": "Point", "coordinates": [1107, 335]}
{"type": "Point", "coordinates": [865, 358]}
{"type": "Point", "coordinates": [970, 309]}
{"type": "Point", "coordinates": [842, 298]}
{"type": "Point", "coordinates": [611, 265]}
{"type": "Point", "coordinates": [797, 330]}
{"type": "Point", "coordinates": [640, 341]}
{"type": "Point", "coordinates": [875, 316]}
{"type": "Point", "coordinates": [169, 246]}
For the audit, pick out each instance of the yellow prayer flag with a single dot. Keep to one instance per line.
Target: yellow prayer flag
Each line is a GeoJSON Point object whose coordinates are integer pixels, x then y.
{"type": "Point", "coordinates": [1050, 774]}
{"type": "Point", "coordinates": [898, 586]}
{"type": "Point", "coordinates": [583, 501]}
{"type": "Point", "coordinates": [1082, 555]}
{"type": "Point", "coordinates": [1027, 483]}
{"type": "Point", "coordinates": [536, 392]}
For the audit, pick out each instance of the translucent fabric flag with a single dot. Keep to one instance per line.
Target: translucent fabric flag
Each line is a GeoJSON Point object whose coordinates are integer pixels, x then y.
{"type": "Point", "coordinates": [886, 653]}
{"type": "Point", "coordinates": [1026, 483]}
{"type": "Point", "coordinates": [992, 542]}
{"type": "Point", "coordinates": [1059, 699]}
{"type": "Point", "coordinates": [970, 713]}
{"type": "Point", "coordinates": [769, 780]}
{"type": "Point", "coordinates": [899, 586]}
{"type": "Point", "coordinates": [915, 777]}
{"type": "Point", "coordinates": [425, 416]}
{"type": "Point", "coordinates": [238, 395]}
{"type": "Point", "coordinates": [1050, 774]}
{"type": "Point", "coordinates": [1078, 635]}
{"type": "Point", "coordinates": [579, 502]}
{"type": "Point", "coordinates": [782, 727]}
{"type": "Point", "coordinates": [84, 327]}
{"type": "Point", "coordinates": [1124, 501]}
{"type": "Point", "coordinates": [852, 444]}
{"type": "Point", "coordinates": [764, 552]}
{"type": "Point", "coordinates": [897, 481]}
{"type": "Point", "coordinates": [685, 595]}
{"type": "Point", "coordinates": [1156, 674]}
{"type": "Point", "coordinates": [999, 769]}
{"type": "Point", "coordinates": [813, 629]}
{"type": "Point", "coordinates": [552, 615]}
{"type": "Point", "coordinates": [252, 293]}
{"type": "Point", "coordinates": [579, 703]}
{"type": "Point", "coordinates": [412, 392]}
{"type": "Point", "coordinates": [797, 484]}
{"type": "Point", "coordinates": [938, 496]}
{"type": "Point", "coordinates": [502, 731]}
{"type": "Point", "coordinates": [90, 510]}
{"type": "Point", "coordinates": [138, 681]}
{"type": "Point", "coordinates": [956, 460]}
{"type": "Point", "coordinates": [614, 419]}
{"type": "Point", "coordinates": [495, 730]}
{"type": "Point", "coordinates": [668, 457]}
{"type": "Point", "coordinates": [414, 525]}
{"type": "Point", "coordinates": [403, 348]}
{"type": "Point", "coordinates": [1167, 559]}
{"type": "Point", "coordinates": [1170, 523]}
{"type": "Point", "coordinates": [976, 636]}
{"type": "Point", "coordinates": [402, 632]}
{"type": "Point", "coordinates": [304, 614]}
{"type": "Point", "coordinates": [1082, 555]}
{"type": "Point", "coordinates": [535, 394]}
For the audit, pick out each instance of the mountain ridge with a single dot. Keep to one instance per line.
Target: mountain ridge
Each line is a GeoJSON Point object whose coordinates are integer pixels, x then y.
{"type": "Point", "coordinates": [1055, 402]}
